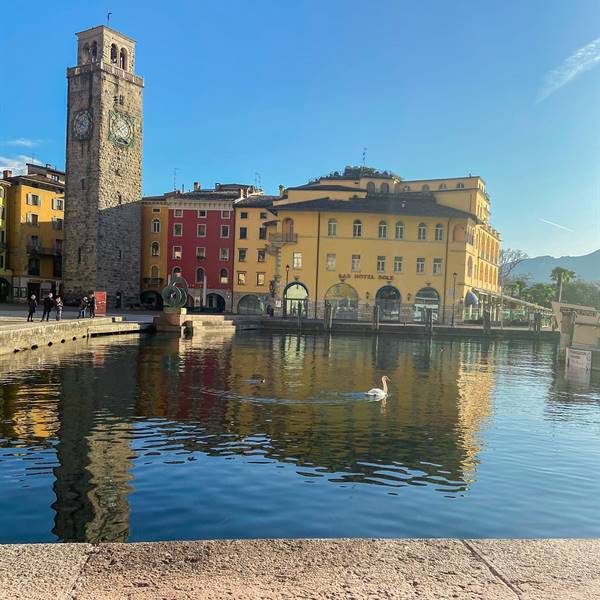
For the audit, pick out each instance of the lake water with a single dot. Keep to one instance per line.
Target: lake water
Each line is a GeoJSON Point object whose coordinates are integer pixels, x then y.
{"type": "Point", "coordinates": [155, 438]}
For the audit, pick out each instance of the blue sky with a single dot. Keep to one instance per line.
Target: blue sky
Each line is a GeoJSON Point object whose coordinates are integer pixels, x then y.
{"type": "Point", "coordinates": [292, 90]}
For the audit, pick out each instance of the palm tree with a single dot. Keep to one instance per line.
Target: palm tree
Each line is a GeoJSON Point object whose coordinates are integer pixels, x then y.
{"type": "Point", "coordinates": [561, 276]}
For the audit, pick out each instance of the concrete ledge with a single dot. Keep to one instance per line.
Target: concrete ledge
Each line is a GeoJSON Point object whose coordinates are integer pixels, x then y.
{"type": "Point", "coordinates": [269, 569]}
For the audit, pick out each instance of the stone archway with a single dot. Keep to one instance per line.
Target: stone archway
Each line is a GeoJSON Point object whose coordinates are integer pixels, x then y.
{"type": "Point", "coordinates": [388, 299]}
{"type": "Point", "coordinates": [343, 299]}
{"type": "Point", "coordinates": [294, 299]}
{"type": "Point", "coordinates": [215, 303]}
{"type": "Point", "coordinates": [427, 298]}
{"type": "Point", "coordinates": [251, 305]}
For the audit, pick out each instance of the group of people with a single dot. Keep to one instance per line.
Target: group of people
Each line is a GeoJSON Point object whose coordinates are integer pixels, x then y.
{"type": "Point", "coordinates": [51, 302]}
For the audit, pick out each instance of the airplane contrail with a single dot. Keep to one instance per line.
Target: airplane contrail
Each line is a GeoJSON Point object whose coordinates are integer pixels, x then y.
{"type": "Point", "coordinates": [584, 59]}
{"type": "Point", "coordinates": [557, 225]}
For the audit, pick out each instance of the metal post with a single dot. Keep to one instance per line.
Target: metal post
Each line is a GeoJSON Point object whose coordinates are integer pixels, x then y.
{"type": "Point", "coordinates": [453, 297]}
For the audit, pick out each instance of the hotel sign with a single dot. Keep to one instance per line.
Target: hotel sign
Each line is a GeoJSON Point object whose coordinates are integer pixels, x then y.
{"type": "Point", "coordinates": [344, 276]}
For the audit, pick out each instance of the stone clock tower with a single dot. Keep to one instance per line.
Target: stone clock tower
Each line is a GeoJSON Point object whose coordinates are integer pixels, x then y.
{"type": "Point", "coordinates": [104, 168]}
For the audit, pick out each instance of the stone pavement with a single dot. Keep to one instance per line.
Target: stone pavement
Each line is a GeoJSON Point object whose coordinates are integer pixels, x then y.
{"type": "Point", "coordinates": [319, 569]}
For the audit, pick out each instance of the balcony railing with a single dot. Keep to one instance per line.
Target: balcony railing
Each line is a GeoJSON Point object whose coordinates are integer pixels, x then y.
{"type": "Point", "coordinates": [284, 237]}
{"type": "Point", "coordinates": [43, 250]}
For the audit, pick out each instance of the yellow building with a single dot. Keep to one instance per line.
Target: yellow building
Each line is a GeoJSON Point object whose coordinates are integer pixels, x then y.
{"type": "Point", "coordinates": [35, 231]}
{"type": "Point", "coordinates": [365, 238]}
{"type": "Point", "coordinates": [5, 274]}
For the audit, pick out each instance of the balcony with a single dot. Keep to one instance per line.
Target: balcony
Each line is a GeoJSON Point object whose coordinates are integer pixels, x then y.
{"type": "Point", "coordinates": [38, 250]}
{"type": "Point", "coordinates": [152, 281]}
{"type": "Point", "coordinates": [283, 238]}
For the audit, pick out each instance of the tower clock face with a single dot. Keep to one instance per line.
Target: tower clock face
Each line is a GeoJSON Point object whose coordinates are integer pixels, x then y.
{"type": "Point", "coordinates": [121, 128]}
{"type": "Point", "coordinates": [82, 125]}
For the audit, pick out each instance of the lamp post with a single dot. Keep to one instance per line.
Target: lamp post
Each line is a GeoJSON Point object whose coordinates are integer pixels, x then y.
{"type": "Point", "coordinates": [287, 274]}
{"type": "Point", "coordinates": [287, 279]}
{"type": "Point", "coordinates": [453, 296]}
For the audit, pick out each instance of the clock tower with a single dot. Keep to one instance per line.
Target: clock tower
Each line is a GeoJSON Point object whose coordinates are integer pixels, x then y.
{"type": "Point", "coordinates": [103, 169]}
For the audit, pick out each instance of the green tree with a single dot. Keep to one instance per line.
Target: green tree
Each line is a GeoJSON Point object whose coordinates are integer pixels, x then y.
{"type": "Point", "coordinates": [561, 276]}
{"type": "Point", "coordinates": [517, 287]}
{"type": "Point", "coordinates": [582, 292]}
{"type": "Point", "coordinates": [541, 293]}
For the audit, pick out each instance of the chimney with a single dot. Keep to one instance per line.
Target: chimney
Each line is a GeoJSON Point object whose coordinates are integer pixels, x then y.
{"type": "Point", "coordinates": [197, 186]}
{"type": "Point", "coordinates": [6, 174]}
{"type": "Point", "coordinates": [281, 191]}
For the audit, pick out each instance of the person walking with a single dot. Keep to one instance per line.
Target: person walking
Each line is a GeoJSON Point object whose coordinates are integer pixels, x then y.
{"type": "Point", "coordinates": [58, 307]}
{"type": "Point", "coordinates": [83, 304]}
{"type": "Point", "coordinates": [92, 306]}
{"type": "Point", "coordinates": [48, 305]}
{"type": "Point", "coordinates": [32, 303]}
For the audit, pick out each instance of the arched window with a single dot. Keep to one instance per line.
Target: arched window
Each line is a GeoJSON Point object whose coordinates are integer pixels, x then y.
{"type": "Point", "coordinates": [470, 267]}
{"type": "Point", "coordinates": [460, 185]}
{"type": "Point", "coordinates": [370, 188]}
{"type": "Point", "coordinates": [385, 188]}
{"type": "Point", "coordinates": [123, 59]}
{"type": "Point", "coordinates": [343, 300]}
{"type": "Point", "coordinates": [332, 227]}
{"type": "Point", "coordinates": [176, 272]}
{"type": "Point", "coordinates": [382, 230]}
{"type": "Point", "coordinates": [399, 230]}
{"type": "Point", "coordinates": [439, 232]}
{"type": "Point", "coordinates": [406, 188]}
{"type": "Point", "coordinates": [155, 248]}
{"type": "Point", "coordinates": [199, 275]}
{"type": "Point", "coordinates": [223, 276]}
{"type": "Point", "coordinates": [154, 272]}
{"type": "Point", "coordinates": [86, 53]}
{"type": "Point", "coordinates": [422, 232]}
{"type": "Point", "coordinates": [155, 226]}
{"type": "Point", "coordinates": [442, 186]}
{"type": "Point", "coordinates": [113, 54]}
{"type": "Point", "coordinates": [251, 305]}
{"type": "Point", "coordinates": [424, 188]}
{"type": "Point", "coordinates": [94, 51]}
{"type": "Point", "coordinates": [357, 229]}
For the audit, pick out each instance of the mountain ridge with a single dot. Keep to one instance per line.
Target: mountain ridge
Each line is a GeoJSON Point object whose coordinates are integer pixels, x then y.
{"type": "Point", "coordinates": [586, 267]}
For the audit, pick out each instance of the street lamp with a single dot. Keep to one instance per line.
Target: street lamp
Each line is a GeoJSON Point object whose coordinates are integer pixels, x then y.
{"type": "Point", "coordinates": [287, 274]}
{"type": "Point", "coordinates": [453, 296]}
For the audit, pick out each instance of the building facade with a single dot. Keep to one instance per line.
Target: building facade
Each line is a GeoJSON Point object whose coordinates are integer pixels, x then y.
{"type": "Point", "coordinates": [104, 154]}
{"type": "Point", "coordinates": [5, 273]}
{"type": "Point", "coordinates": [35, 231]}
{"type": "Point", "coordinates": [191, 235]}
{"type": "Point", "coordinates": [364, 238]}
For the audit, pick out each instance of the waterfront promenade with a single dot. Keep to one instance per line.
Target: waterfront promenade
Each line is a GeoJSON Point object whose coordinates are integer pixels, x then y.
{"type": "Point", "coordinates": [274, 569]}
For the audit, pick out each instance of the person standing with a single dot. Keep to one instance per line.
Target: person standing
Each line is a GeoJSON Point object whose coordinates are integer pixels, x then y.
{"type": "Point", "coordinates": [32, 302]}
{"type": "Point", "coordinates": [92, 306]}
{"type": "Point", "coordinates": [58, 306]}
{"type": "Point", "coordinates": [48, 305]}
{"type": "Point", "coordinates": [83, 304]}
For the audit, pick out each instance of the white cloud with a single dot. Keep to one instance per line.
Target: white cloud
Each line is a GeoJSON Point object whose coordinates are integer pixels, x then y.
{"type": "Point", "coordinates": [557, 225]}
{"type": "Point", "coordinates": [582, 60]}
{"type": "Point", "coordinates": [24, 142]}
{"type": "Point", "coordinates": [16, 164]}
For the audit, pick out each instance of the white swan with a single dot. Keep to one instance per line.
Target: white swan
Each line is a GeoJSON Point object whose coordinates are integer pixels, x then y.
{"type": "Point", "coordinates": [378, 393]}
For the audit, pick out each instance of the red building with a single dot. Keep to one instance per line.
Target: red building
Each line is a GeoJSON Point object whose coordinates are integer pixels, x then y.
{"type": "Point", "coordinates": [199, 241]}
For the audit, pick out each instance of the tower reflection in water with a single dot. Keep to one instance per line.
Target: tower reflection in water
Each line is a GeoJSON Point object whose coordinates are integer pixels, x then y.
{"type": "Point", "coordinates": [103, 405]}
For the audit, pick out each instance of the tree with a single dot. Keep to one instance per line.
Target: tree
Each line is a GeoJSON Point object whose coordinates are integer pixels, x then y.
{"type": "Point", "coordinates": [517, 286]}
{"type": "Point", "coordinates": [541, 293]}
{"type": "Point", "coordinates": [582, 292]}
{"type": "Point", "coordinates": [561, 276]}
{"type": "Point", "coordinates": [509, 261]}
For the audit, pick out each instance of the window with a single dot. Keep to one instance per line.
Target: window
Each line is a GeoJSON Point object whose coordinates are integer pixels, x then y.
{"type": "Point", "coordinates": [33, 268]}
{"type": "Point", "coordinates": [460, 186]}
{"type": "Point", "coordinates": [154, 272]}
{"type": "Point", "coordinates": [422, 232]}
{"type": "Point", "coordinates": [57, 223]}
{"type": "Point", "coordinates": [179, 212]}
{"type": "Point", "coordinates": [58, 204]}
{"type": "Point", "coordinates": [123, 59]}
{"type": "Point", "coordinates": [33, 200]}
{"type": "Point", "coordinates": [406, 188]}
{"type": "Point", "coordinates": [156, 210]}
{"type": "Point", "coordinates": [200, 252]}
{"type": "Point", "coordinates": [243, 233]}
{"type": "Point", "coordinates": [382, 230]}
{"type": "Point", "coordinates": [425, 188]}
{"type": "Point", "coordinates": [262, 233]}
{"type": "Point", "coordinates": [201, 230]}
{"type": "Point", "coordinates": [332, 227]}
{"type": "Point", "coordinates": [439, 233]}
{"type": "Point", "coordinates": [381, 264]}
{"type": "Point", "coordinates": [177, 229]}
{"type": "Point", "coordinates": [397, 264]}
{"type": "Point", "coordinates": [437, 266]}
{"type": "Point", "coordinates": [119, 198]}
{"type": "Point", "coordinates": [330, 264]}
{"type": "Point", "coordinates": [224, 231]}
{"type": "Point", "coordinates": [263, 215]}
{"type": "Point", "coordinates": [420, 265]}
{"type": "Point", "coordinates": [155, 226]}
{"type": "Point", "coordinates": [201, 214]}
{"type": "Point", "coordinates": [385, 188]}
{"type": "Point", "coordinates": [155, 249]}
{"type": "Point", "coordinates": [297, 260]}
{"type": "Point", "coordinates": [176, 252]}
{"type": "Point", "coordinates": [399, 230]}
{"type": "Point", "coordinates": [357, 228]}
{"type": "Point", "coordinates": [113, 53]}
{"type": "Point", "coordinates": [243, 215]}
{"type": "Point", "coordinates": [34, 241]}
{"type": "Point", "coordinates": [260, 279]}
{"type": "Point", "coordinates": [224, 276]}
{"type": "Point", "coordinates": [370, 188]}
{"type": "Point", "coordinates": [176, 272]}
{"type": "Point", "coordinates": [356, 262]}
{"type": "Point", "coordinates": [199, 275]}
{"type": "Point", "coordinates": [32, 219]}
{"type": "Point", "coordinates": [261, 255]}
{"type": "Point", "coordinates": [241, 277]}
{"type": "Point", "coordinates": [242, 254]}
{"type": "Point", "coordinates": [225, 214]}
{"type": "Point", "coordinates": [442, 186]}
{"type": "Point", "coordinates": [223, 253]}
{"type": "Point", "coordinates": [58, 246]}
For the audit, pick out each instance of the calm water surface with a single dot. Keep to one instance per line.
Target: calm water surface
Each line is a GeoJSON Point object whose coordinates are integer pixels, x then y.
{"type": "Point", "coordinates": [159, 438]}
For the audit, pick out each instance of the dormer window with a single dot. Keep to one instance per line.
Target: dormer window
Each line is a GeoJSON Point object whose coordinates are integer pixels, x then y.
{"type": "Point", "coordinates": [460, 186]}
{"type": "Point", "coordinates": [442, 186]}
